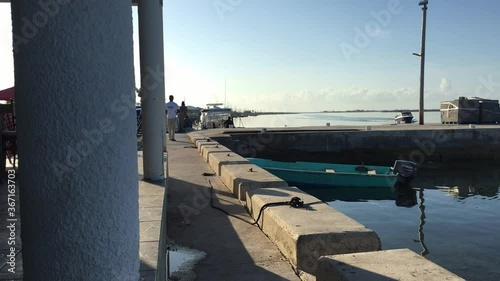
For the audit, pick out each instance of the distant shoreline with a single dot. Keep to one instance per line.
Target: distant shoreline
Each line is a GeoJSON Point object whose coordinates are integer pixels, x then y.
{"type": "Point", "coordinates": [246, 114]}
{"type": "Point", "coordinates": [390, 110]}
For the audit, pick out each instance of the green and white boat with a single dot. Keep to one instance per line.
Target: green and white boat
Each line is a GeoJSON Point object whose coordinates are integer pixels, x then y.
{"type": "Point", "coordinates": [338, 175]}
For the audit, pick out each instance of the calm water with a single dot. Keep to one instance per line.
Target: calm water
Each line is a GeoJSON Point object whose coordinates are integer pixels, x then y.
{"type": "Point", "coordinates": [449, 214]}
{"type": "Point", "coordinates": [320, 119]}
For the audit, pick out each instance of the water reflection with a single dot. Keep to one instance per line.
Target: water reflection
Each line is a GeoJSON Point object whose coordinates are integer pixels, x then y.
{"type": "Point", "coordinates": [461, 182]}
{"type": "Point", "coordinates": [350, 194]}
{"type": "Point", "coordinates": [403, 195]}
{"type": "Point", "coordinates": [406, 196]}
{"type": "Point", "coordinates": [441, 201]}
{"type": "Point", "coordinates": [421, 207]}
{"type": "Point", "coordinates": [462, 192]}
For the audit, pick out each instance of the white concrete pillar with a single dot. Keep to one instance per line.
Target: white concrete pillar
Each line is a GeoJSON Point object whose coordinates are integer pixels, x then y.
{"type": "Point", "coordinates": [152, 87]}
{"type": "Point", "coordinates": [74, 82]}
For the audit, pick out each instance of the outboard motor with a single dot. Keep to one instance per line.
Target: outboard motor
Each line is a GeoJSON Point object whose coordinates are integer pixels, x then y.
{"type": "Point", "coordinates": [406, 170]}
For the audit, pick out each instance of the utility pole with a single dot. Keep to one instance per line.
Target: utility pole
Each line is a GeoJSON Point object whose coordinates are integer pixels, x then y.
{"type": "Point", "coordinates": [422, 62]}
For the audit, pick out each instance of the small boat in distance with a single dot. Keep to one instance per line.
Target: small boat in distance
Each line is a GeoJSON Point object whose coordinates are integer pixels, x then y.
{"type": "Point", "coordinates": [338, 175]}
{"type": "Point", "coordinates": [404, 117]}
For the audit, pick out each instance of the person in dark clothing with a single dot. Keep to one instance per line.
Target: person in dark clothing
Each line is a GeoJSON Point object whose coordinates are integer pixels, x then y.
{"type": "Point", "coordinates": [188, 123]}
{"type": "Point", "coordinates": [229, 122]}
{"type": "Point", "coordinates": [183, 110]}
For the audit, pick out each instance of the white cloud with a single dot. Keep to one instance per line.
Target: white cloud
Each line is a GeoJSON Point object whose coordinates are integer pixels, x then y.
{"type": "Point", "coordinates": [445, 85]}
{"type": "Point", "coordinates": [332, 99]}
{"type": "Point", "coordinates": [383, 33]}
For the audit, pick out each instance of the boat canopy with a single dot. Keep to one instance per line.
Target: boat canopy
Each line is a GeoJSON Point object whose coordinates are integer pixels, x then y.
{"type": "Point", "coordinates": [214, 107]}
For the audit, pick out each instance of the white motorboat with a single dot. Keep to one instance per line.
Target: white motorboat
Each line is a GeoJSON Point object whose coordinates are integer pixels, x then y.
{"type": "Point", "coordinates": [404, 117]}
{"type": "Point", "coordinates": [214, 116]}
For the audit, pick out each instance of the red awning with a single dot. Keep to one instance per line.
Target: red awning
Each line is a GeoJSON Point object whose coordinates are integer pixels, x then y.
{"type": "Point", "coordinates": [7, 94]}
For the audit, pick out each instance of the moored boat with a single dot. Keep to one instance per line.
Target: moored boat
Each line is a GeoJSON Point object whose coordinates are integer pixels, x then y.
{"type": "Point", "coordinates": [404, 116]}
{"type": "Point", "coordinates": [214, 116]}
{"type": "Point", "coordinates": [341, 175]}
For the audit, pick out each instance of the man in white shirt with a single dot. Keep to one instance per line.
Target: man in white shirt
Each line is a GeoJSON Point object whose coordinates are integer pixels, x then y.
{"type": "Point", "coordinates": [172, 109]}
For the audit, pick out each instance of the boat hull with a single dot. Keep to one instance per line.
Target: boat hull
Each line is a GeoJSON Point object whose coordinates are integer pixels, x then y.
{"type": "Point", "coordinates": [330, 175]}
{"type": "Point", "coordinates": [404, 119]}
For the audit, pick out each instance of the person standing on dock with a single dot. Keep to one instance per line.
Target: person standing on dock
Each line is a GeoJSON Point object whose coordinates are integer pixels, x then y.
{"type": "Point", "coordinates": [183, 111]}
{"type": "Point", "coordinates": [172, 109]}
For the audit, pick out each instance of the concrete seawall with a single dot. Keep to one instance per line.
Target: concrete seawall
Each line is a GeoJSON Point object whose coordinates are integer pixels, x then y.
{"type": "Point", "coordinates": [399, 264]}
{"type": "Point", "coordinates": [302, 235]}
{"type": "Point", "coordinates": [305, 234]}
{"type": "Point", "coordinates": [379, 145]}
{"type": "Point", "coordinates": [310, 238]}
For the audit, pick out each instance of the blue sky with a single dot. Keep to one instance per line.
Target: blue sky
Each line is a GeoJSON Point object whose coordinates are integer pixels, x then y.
{"type": "Point", "coordinates": [297, 55]}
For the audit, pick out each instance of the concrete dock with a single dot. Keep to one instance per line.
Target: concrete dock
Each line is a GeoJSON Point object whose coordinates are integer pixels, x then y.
{"type": "Point", "coordinates": [311, 241]}
{"type": "Point", "coordinates": [378, 145]}
{"type": "Point", "coordinates": [235, 250]}
{"type": "Point", "coordinates": [400, 264]}
{"type": "Point", "coordinates": [288, 243]}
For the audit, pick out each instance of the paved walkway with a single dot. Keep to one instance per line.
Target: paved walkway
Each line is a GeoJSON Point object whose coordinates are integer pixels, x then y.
{"type": "Point", "coordinates": [151, 197]}
{"type": "Point", "coordinates": [235, 249]}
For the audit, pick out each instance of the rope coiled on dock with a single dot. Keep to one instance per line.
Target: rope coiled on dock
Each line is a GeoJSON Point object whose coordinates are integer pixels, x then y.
{"type": "Point", "coordinates": [294, 202]}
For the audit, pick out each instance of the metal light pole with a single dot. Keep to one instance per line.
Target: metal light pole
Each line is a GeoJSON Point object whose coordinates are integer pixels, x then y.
{"type": "Point", "coordinates": [422, 62]}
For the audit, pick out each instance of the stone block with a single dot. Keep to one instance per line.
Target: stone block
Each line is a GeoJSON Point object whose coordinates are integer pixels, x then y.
{"type": "Point", "coordinates": [217, 160]}
{"type": "Point", "coordinates": [207, 150]}
{"type": "Point", "coordinates": [399, 264]}
{"type": "Point", "coordinates": [305, 234]}
{"type": "Point", "coordinates": [244, 176]}
{"type": "Point", "coordinates": [201, 144]}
